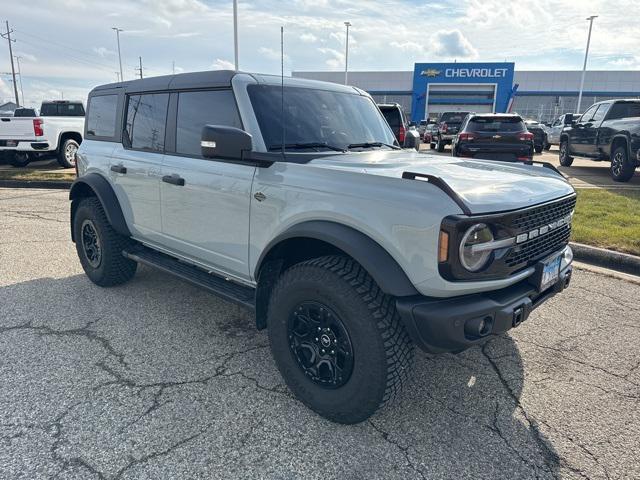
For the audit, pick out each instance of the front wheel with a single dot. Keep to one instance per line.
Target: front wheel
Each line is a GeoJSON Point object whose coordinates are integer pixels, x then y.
{"type": "Point", "coordinates": [337, 339]}
{"type": "Point", "coordinates": [621, 168]}
{"type": "Point", "coordinates": [565, 159]}
{"type": "Point", "coordinates": [67, 153]}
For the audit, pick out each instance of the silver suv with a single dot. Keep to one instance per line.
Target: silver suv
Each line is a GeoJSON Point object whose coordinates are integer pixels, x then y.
{"type": "Point", "coordinates": [292, 198]}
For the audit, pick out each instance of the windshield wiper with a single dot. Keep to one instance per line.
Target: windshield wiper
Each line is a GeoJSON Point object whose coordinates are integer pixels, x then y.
{"type": "Point", "coordinates": [372, 144]}
{"type": "Point", "coordinates": [301, 146]}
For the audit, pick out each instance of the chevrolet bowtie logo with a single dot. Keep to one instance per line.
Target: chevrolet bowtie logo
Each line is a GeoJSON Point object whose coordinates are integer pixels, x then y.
{"type": "Point", "coordinates": [431, 72]}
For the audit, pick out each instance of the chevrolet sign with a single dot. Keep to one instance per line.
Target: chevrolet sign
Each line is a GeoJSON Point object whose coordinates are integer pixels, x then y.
{"type": "Point", "coordinates": [474, 72]}
{"type": "Point", "coordinates": [431, 72]}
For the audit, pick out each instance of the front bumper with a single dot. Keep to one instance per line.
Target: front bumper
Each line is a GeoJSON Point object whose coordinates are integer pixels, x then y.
{"type": "Point", "coordinates": [439, 325]}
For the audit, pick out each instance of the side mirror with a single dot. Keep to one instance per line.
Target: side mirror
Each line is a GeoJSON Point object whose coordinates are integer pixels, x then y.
{"type": "Point", "coordinates": [219, 141]}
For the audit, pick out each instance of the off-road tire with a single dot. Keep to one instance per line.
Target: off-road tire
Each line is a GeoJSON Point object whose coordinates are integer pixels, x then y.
{"type": "Point", "coordinates": [621, 168]}
{"type": "Point", "coordinates": [565, 159]}
{"type": "Point", "coordinates": [68, 147]}
{"type": "Point", "coordinates": [19, 160]}
{"type": "Point", "coordinates": [114, 268]}
{"type": "Point", "coordinates": [383, 351]}
{"type": "Point", "coordinates": [440, 145]}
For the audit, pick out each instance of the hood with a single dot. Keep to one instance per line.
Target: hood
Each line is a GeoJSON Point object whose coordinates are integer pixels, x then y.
{"type": "Point", "coordinates": [485, 186]}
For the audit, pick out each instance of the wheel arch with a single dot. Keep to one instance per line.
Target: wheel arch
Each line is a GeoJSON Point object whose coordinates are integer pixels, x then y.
{"type": "Point", "coordinates": [617, 140]}
{"type": "Point", "coordinates": [95, 185]}
{"type": "Point", "coordinates": [69, 135]}
{"type": "Point", "coordinates": [316, 238]}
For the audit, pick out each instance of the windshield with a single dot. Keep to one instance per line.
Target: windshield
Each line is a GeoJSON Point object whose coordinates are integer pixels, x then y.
{"type": "Point", "coordinates": [317, 117]}
{"type": "Point", "coordinates": [496, 124]}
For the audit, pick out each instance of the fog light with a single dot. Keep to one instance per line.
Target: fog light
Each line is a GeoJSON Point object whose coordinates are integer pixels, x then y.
{"type": "Point", "coordinates": [478, 327]}
{"type": "Point", "coordinates": [567, 258]}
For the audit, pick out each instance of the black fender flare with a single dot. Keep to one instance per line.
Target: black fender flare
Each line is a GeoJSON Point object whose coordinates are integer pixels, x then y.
{"type": "Point", "coordinates": [624, 137]}
{"type": "Point", "coordinates": [382, 267]}
{"type": "Point", "coordinates": [95, 184]}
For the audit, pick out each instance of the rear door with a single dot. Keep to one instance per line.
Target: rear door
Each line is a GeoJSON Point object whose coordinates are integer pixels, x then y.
{"type": "Point", "coordinates": [136, 163]}
{"type": "Point", "coordinates": [205, 215]}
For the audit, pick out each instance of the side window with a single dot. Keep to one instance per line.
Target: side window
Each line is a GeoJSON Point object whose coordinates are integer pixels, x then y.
{"type": "Point", "coordinates": [101, 121]}
{"type": "Point", "coordinates": [197, 109]}
{"type": "Point", "coordinates": [146, 122]}
{"type": "Point", "coordinates": [588, 115]}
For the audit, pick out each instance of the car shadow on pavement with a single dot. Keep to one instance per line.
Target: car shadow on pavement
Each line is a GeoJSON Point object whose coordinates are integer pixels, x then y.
{"type": "Point", "coordinates": [114, 381]}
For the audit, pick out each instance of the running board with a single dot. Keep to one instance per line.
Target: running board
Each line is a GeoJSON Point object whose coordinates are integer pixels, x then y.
{"type": "Point", "coordinates": [226, 289]}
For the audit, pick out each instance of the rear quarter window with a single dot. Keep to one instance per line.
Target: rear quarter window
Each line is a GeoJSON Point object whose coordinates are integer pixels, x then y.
{"type": "Point", "coordinates": [101, 121]}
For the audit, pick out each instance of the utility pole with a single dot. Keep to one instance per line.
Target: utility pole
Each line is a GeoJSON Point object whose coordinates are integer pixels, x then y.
{"type": "Point", "coordinates": [584, 67]}
{"type": "Point", "coordinates": [346, 53]}
{"type": "Point", "coordinates": [117, 76]}
{"type": "Point", "coordinates": [140, 69]}
{"type": "Point", "coordinates": [235, 32]}
{"type": "Point", "coordinates": [18, 58]}
{"type": "Point", "coordinates": [118, 30]}
{"type": "Point", "coordinates": [173, 67]}
{"type": "Point", "coordinates": [13, 70]}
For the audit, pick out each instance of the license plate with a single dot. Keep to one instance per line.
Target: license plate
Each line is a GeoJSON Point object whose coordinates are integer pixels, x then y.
{"type": "Point", "coordinates": [550, 273]}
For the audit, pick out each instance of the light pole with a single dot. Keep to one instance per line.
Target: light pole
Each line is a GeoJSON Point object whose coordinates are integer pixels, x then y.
{"type": "Point", "coordinates": [18, 58]}
{"type": "Point", "coordinates": [118, 30]}
{"type": "Point", "coordinates": [235, 32]}
{"type": "Point", "coordinates": [584, 67]}
{"type": "Point", "coordinates": [346, 53]}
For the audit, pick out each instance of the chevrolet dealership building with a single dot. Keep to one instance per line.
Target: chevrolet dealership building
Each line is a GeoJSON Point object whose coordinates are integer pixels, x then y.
{"type": "Point", "coordinates": [432, 88]}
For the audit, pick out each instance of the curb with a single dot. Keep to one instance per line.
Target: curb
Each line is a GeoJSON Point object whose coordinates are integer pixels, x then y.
{"type": "Point", "coordinates": [59, 185]}
{"type": "Point", "coordinates": [621, 262]}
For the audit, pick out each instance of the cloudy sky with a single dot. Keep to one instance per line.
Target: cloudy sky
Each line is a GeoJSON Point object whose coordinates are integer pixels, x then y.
{"type": "Point", "coordinates": [67, 46]}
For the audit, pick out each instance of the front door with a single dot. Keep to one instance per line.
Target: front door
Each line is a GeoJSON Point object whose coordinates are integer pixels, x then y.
{"type": "Point", "coordinates": [205, 202]}
{"type": "Point", "coordinates": [136, 164]}
{"type": "Point", "coordinates": [579, 135]}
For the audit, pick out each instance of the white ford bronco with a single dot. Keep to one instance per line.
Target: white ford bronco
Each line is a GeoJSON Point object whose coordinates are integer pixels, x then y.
{"type": "Point", "coordinates": [292, 198]}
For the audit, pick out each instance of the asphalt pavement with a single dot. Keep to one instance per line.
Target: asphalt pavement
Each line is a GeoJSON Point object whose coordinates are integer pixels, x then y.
{"type": "Point", "coordinates": [157, 379]}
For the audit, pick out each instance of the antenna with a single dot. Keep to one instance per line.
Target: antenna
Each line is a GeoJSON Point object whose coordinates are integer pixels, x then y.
{"type": "Point", "coordinates": [282, 84]}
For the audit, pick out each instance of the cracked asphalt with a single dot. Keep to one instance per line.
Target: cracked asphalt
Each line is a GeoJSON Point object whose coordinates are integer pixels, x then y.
{"type": "Point", "coordinates": [158, 379]}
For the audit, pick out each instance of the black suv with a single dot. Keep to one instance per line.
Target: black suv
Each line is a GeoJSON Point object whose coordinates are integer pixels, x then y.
{"type": "Point", "coordinates": [448, 126]}
{"type": "Point", "coordinates": [540, 137]}
{"type": "Point", "coordinates": [494, 136]}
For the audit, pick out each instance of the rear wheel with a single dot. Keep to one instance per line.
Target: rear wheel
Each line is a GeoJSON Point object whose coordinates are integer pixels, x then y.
{"type": "Point", "coordinates": [565, 159]}
{"type": "Point", "coordinates": [621, 168]}
{"type": "Point", "coordinates": [67, 153]}
{"type": "Point", "coordinates": [432, 145]}
{"type": "Point", "coordinates": [99, 246]}
{"type": "Point", "coordinates": [20, 159]}
{"type": "Point", "coordinates": [538, 149]}
{"type": "Point", "coordinates": [337, 339]}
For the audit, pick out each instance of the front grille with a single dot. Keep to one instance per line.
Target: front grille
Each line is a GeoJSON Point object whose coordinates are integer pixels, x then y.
{"type": "Point", "coordinates": [532, 250]}
{"type": "Point", "coordinates": [540, 216]}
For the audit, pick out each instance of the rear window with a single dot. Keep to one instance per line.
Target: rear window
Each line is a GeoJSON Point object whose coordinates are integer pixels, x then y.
{"type": "Point", "coordinates": [496, 124]}
{"type": "Point", "coordinates": [24, 112]}
{"type": "Point", "coordinates": [453, 117]}
{"type": "Point", "coordinates": [62, 110]}
{"type": "Point", "coordinates": [393, 117]}
{"type": "Point", "coordinates": [101, 121]}
{"type": "Point", "coordinates": [624, 110]}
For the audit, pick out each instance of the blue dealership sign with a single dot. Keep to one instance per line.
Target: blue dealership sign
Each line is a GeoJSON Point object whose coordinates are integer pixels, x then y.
{"type": "Point", "coordinates": [499, 76]}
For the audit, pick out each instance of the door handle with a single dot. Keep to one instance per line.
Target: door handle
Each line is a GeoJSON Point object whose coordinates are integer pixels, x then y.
{"type": "Point", "coordinates": [173, 180]}
{"type": "Point", "coordinates": [119, 169]}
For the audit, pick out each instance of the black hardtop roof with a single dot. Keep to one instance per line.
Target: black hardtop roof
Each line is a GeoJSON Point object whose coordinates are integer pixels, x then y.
{"type": "Point", "coordinates": [210, 79]}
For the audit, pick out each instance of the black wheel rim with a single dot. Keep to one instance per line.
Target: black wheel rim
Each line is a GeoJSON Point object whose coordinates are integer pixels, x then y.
{"type": "Point", "coordinates": [616, 163]}
{"type": "Point", "coordinates": [320, 344]}
{"type": "Point", "coordinates": [91, 243]}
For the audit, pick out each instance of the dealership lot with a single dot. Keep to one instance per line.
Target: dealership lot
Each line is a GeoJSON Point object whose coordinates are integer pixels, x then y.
{"type": "Point", "coordinates": [157, 379]}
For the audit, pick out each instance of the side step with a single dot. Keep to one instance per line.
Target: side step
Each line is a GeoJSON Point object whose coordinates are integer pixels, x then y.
{"type": "Point", "coordinates": [226, 289]}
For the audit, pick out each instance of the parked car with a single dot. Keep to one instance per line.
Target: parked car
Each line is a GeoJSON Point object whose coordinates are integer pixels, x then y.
{"type": "Point", "coordinates": [430, 132]}
{"type": "Point", "coordinates": [560, 123]}
{"type": "Point", "coordinates": [25, 112]}
{"type": "Point", "coordinates": [540, 137]}
{"type": "Point", "coordinates": [448, 127]}
{"type": "Point", "coordinates": [607, 131]}
{"type": "Point", "coordinates": [494, 136]}
{"type": "Point", "coordinates": [350, 250]}
{"type": "Point", "coordinates": [57, 130]}
{"type": "Point", "coordinates": [405, 136]}
{"type": "Point", "coordinates": [422, 127]}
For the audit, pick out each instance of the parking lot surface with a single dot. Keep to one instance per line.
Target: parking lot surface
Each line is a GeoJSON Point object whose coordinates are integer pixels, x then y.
{"type": "Point", "coordinates": [158, 379]}
{"type": "Point", "coordinates": [582, 174]}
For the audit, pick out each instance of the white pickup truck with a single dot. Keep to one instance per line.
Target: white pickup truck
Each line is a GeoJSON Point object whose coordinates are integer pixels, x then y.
{"type": "Point", "coordinates": [56, 131]}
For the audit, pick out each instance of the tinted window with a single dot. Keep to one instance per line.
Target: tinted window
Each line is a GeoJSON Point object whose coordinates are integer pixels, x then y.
{"type": "Point", "coordinates": [588, 115]}
{"type": "Point", "coordinates": [317, 116]}
{"type": "Point", "coordinates": [146, 119]}
{"type": "Point", "coordinates": [496, 124]}
{"type": "Point", "coordinates": [101, 121]}
{"type": "Point", "coordinates": [24, 112]}
{"type": "Point", "coordinates": [62, 110]}
{"type": "Point", "coordinates": [393, 116]}
{"type": "Point", "coordinates": [601, 112]}
{"type": "Point", "coordinates": [197, 109]}
{"type": "Point", "coordinates": [624, 110]}
{"type": "Point", "coordinates": [453, 117]}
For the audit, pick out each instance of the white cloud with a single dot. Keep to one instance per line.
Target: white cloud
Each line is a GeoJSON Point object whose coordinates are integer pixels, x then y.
{"type": "Point", "coordinates": [103, 51]}
{"type": "Point", "coordinates": [271, 54]}
{"type": "Point", "coordinates": [308, 38]}
{"type": "Point", "coordinates": [27, 56]}
{"type": "Point", "coordinates": [452, 44]}
{"type": "Point", "coordinates": [407, 46]}
{"type": "Point", "coordinates": [335, 60]}
{"type": "Point", "coordinates": [221, 64]}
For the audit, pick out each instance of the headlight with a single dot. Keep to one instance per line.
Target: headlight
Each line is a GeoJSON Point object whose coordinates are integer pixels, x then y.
{"type": "Point", "coordinates": [475, 260]}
